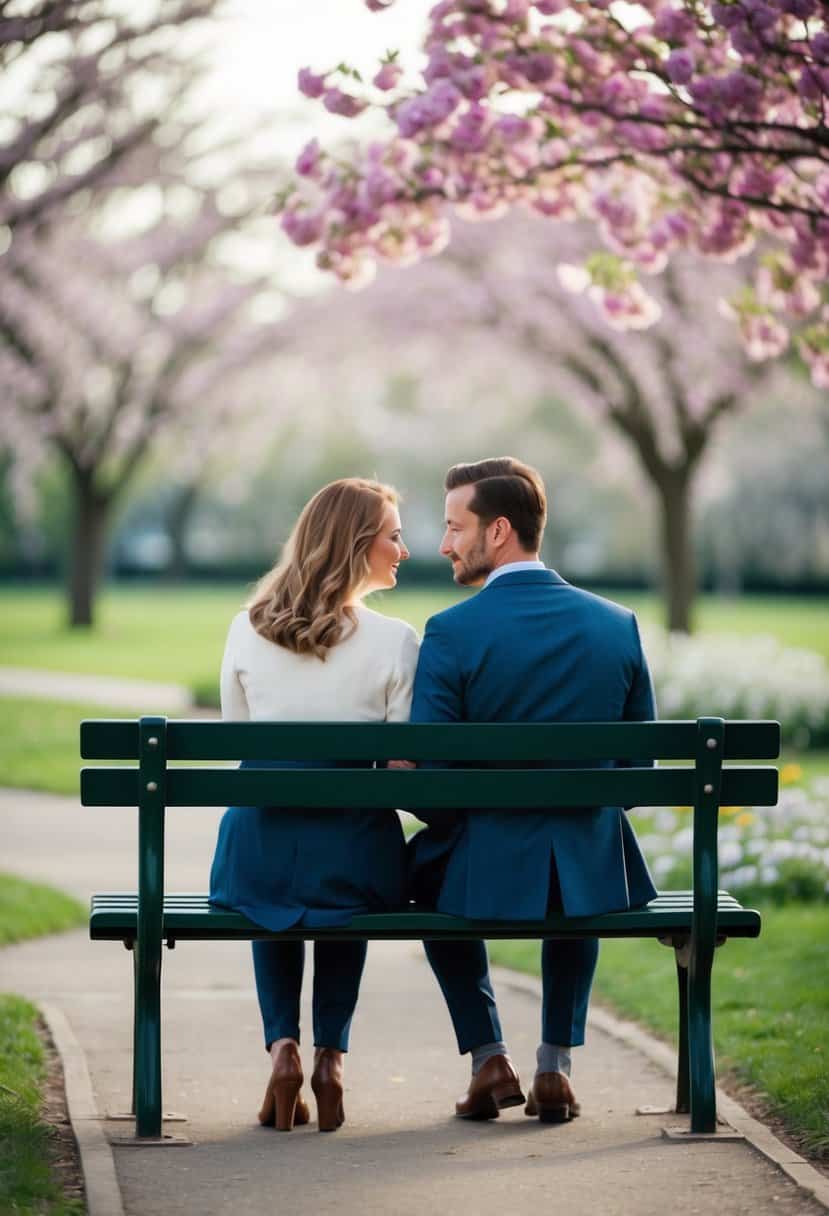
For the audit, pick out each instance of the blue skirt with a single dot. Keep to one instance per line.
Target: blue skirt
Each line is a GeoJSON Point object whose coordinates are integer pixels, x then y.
{"type": "Point", "coordinates": [281, 867]}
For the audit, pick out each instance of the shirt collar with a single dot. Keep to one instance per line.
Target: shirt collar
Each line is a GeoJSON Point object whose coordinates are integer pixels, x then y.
{"type": "Point", "coordinates": [513, 568]}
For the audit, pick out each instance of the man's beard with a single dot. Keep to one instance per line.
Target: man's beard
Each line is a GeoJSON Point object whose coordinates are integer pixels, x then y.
{"type": "Point", "coordinates": [474, 567]}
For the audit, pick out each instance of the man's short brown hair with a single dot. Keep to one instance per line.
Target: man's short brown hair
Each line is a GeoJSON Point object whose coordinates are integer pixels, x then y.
{"type": "Point", "coordinates": [505, 486]}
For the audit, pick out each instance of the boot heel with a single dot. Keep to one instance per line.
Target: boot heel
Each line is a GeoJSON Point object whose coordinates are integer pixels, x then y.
{"type": "Point", "coordinates": [283, 1107]}
{"type": "Point", "coordinates": [554, 1114]}
{"type": "Point", "coordinates": [330, 1112]}
{"type": "Point", "coordinates": [285, 1095]}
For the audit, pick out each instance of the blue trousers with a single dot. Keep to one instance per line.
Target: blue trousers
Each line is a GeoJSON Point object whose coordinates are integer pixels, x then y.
{"type": "Point", "coordinates": [338, 969]}
{"type": "Point", "coordinates": [567, 970]}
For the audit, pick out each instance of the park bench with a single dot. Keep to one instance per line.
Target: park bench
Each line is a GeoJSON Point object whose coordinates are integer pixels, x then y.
{"type": "Point", "coordinates": [692, 922]}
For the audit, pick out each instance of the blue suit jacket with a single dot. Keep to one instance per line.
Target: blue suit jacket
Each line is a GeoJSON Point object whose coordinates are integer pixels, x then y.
{"type": "Point", "coordinates": [530, 648]}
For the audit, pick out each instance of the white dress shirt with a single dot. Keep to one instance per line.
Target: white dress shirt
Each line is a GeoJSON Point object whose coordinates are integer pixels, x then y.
{"type": "Point", "coordinates": [513, 568]}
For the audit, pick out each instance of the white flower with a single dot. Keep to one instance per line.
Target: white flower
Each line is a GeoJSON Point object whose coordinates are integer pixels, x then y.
{"type": "Point", "coordinates": [731, 853]}
{"type": "Point", "coordinates": [683, 840]}
{"type": "Point", "coordinates": [740, 677]}
{"type": "Point", "coordinates": [751, 852]}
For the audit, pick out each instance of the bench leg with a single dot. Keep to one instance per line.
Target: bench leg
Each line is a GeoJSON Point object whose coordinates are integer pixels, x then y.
{"type": "Point", "coordinates": [708, 779]}
{"type": "Point", "coordinates": [150, 926]}
{"type": "Point", "coordinates": [683, 1097]}
{"type": "Point", "coordinates": [134, 1027]}
{"type": "Point", "coordinates": [147, 1046]}
{"type": "Point", "coordinates": [700, 1041]}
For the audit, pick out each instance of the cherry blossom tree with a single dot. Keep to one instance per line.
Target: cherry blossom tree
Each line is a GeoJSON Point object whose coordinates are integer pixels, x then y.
{"type": "Point", "coordinates": [670, 124]}
{"type": "Point", "coordinates": [82, 85]}
{"type": "Point", "coordinates": [244, 424]}
{"type": "Point", "coordinates": [106, 339]}
{"type": "Point", "coordinates": [494, 313]}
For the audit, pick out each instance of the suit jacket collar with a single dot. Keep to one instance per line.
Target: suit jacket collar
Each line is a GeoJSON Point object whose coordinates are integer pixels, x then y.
{"type": "Point", "coordinates": [541, 578]}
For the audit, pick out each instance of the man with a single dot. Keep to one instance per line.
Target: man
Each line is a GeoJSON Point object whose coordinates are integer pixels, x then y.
{"type": "Point", "coordinates": [528, 648]}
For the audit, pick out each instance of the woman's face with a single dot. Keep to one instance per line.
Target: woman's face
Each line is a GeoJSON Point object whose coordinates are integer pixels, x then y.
{"type": "Point", "coordinates": [386, 553]}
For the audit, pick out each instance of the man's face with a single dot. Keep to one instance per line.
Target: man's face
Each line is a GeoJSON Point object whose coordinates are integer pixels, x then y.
{"type": "Point", "coordinates": [465, 540]}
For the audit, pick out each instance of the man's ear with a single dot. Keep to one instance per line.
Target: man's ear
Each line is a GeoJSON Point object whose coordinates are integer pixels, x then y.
{"type": "Point", "coordinates": [501, 530]}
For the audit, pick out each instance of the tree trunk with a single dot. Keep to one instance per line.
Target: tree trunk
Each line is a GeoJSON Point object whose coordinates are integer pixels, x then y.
{"type": "Point", "coordinates": [87, 547]}
{"type": "Point", "coordinates": [678, 563]}
{"type": "Point", "coordinates": [177, 520]}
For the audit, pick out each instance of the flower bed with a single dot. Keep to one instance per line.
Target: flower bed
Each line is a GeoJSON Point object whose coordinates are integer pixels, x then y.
{"type": "Point", "coordinates": [741, 677]}
{"type": "Point", "coordinates": [778, 853]}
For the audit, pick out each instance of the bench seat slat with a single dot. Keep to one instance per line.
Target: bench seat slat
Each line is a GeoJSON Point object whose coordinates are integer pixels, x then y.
{"type": "Point", "coordinates": [116, 739]}
{"type": "Point", "coordinates": [457, 788]}
{"type": "Point", "coordinates": [197, 898]}
{"type": "Point", "coordinates": [191, 917]}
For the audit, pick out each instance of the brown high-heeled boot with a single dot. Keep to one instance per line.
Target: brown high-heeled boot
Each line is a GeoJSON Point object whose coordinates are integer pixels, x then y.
{"type": "Point", "coordinates": [327, 1084]}
{"type": "Point", "coordinates": [283, 1107]}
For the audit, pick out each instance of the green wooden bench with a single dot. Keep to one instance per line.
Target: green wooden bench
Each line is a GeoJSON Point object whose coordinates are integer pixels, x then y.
{"type": "Point", "coordinates": [693, 922]}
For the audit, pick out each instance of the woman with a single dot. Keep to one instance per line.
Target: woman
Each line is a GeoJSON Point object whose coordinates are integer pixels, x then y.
{"type": "Point", "coordinates": [306, 648]}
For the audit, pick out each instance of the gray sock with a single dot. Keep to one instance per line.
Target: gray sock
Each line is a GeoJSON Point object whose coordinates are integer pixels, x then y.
{"type": "Point", "coordinates": [481, 1054]}
{"type": "Point", "coordinates": [552, 1058]}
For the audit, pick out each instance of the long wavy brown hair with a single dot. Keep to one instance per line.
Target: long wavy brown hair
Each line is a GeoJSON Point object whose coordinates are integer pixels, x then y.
{"type": "Point", "coordinates": [302, 603]}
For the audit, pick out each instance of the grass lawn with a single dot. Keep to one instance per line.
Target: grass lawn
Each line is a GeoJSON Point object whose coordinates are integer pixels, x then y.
{"type": "Point", "coordinates": [165, 633]}
{"type": "Point", "coordinates": [178, 633]}
{"type": "Point", "coordinates": [154, 634]}
{"type": "Point", "coordinates": [794, 620]}
{"type": "Point", "coordinates": [771, 1008]}
{"type": "Point", "coordinates": [29, 909]}
{"type": "Point", "coordinates": [26, 724]}
{"type": "Point", "coordinates": [27, 1184]}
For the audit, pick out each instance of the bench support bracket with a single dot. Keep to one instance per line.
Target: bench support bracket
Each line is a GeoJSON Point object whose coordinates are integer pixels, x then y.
{"type": "Point", "coordinates": [682, 1135]}
{"type": "Point", "coordinates": [151, 1141]}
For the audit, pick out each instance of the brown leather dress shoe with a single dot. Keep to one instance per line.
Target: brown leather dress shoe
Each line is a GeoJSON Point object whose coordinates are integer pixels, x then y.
{"type": "Point", "coordinates": [552, 1098]}
{"type": "Point", "coordinates": [493, 1088]}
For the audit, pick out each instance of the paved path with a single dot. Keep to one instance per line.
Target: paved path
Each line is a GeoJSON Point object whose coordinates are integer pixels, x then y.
{"type": "Point", "coordinates": [400, 1152]}
{"type": "Point", "coordinates": [113, 691]}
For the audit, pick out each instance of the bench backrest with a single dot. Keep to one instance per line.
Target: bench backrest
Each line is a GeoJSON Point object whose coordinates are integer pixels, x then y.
{"type": "Point", "coordinates": [494, 752]}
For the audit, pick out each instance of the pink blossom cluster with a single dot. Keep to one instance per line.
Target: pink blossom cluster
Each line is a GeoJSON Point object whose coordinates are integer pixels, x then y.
{"type": "Point", "coordinates": [678, 124]}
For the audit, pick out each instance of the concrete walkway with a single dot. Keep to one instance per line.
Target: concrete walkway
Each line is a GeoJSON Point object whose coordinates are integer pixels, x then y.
{"type": "Point", "coordinates": [113, 691]}
{"type": "Point", "coordinates": [399, 1152]}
